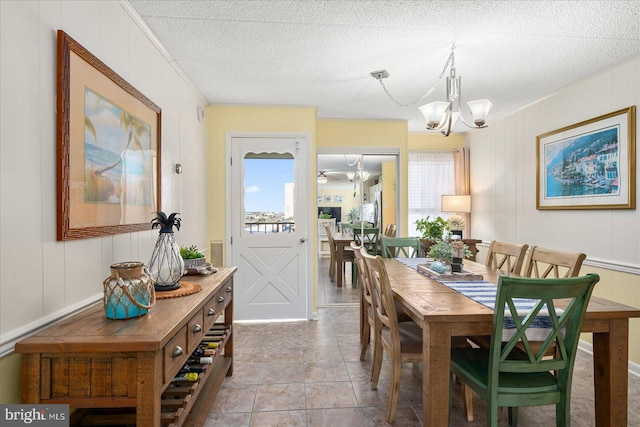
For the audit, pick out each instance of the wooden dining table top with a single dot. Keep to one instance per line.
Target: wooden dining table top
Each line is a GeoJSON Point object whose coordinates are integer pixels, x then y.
{"type": "Point", "coordinates": [426, 297]}
{"type": "Point", "coordinates": [443, 313]}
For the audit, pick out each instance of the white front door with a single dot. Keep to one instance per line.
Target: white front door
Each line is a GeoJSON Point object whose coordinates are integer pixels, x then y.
{"type": "Point", "coordinates": [268, 220]}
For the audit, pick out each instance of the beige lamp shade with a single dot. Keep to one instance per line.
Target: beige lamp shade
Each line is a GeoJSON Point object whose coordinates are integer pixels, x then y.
{"type": "Point", "coordinates": [460, 203]}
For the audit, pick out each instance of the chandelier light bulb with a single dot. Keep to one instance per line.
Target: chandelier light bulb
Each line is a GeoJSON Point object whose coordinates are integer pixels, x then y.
{"type": "Point", "coordinates": [480, 110]}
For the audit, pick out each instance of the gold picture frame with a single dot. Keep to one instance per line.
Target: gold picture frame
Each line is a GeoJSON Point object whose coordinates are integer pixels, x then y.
{"type": "Point", "coordinates": [108, 148]}
{"type": "Point", "coordinates": [588, 165]}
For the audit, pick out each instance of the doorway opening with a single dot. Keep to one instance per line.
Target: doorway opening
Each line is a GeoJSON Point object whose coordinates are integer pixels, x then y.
{"type": "Point", "coordinates": [359, 191]}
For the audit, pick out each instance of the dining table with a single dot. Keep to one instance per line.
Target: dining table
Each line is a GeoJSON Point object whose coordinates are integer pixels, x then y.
{"type": "Point", "coordinates": [341, 241]}
{"type": "Point", "coordinates": [443, 313]}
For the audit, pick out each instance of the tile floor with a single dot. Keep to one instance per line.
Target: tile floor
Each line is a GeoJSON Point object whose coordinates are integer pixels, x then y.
{"type": "Point", "coordinates": [329, 294]}
{"type": "Point", "coordinates": [309, 374]}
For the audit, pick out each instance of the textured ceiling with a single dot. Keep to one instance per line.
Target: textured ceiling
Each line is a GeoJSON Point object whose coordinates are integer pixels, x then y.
{"type": "Point", "coordinates": [320, 53]}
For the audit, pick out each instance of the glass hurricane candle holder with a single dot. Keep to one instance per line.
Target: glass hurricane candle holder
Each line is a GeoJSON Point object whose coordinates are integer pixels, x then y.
{"type": "Point", "coordinates": [166, 266]}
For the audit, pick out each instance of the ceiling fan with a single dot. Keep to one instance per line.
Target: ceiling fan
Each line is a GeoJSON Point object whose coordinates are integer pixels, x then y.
{"type": "Point", "coordinates": [325, 176]}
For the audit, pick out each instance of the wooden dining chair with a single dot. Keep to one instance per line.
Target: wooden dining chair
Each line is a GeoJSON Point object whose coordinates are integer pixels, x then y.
{"type": "Point", "coordinates": [347, 256]}
{"type": "Point", "coordinates": [367, 313]}
{"type": "Point", "coordinates": [507, 257]}
{"type": "Point", "coordinates": [407, 247]}
{"type": "Point", "coordinates": [512, 375]}
{"type": "Point", "coordinates": [390, 230]}
{"type": "Point", "coordinates": [401, 340]}
{"type": "Point", "coordinates": [545, 263]}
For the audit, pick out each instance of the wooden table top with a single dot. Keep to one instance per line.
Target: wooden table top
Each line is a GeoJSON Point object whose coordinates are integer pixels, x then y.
{"type": "Point", "coordinates": [427, 298]}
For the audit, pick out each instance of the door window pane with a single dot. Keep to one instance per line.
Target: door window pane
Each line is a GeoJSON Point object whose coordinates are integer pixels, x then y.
{"type": "Point", "coordinates": [269, 189]}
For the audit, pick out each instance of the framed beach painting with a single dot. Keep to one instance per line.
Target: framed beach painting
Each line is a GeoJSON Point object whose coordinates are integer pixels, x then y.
{"type": "Point", "coordinates": [589, 165]}
{"type": "Point", "coordinates": [108, 148]}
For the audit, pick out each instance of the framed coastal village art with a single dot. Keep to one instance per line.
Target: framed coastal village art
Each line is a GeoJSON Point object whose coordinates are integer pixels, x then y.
{"type": "Point", "coordinates": [108, 148]}
{"type": "Point", "coordinates": [589, 165]}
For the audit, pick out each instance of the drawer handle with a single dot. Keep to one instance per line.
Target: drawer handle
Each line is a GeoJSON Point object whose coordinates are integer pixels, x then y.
{"type": "Point", "coordinates": [211, 312]}
{"type": "Point", "coordinates": [220, 299]}
{"type": "Point", "coordinates": [178, 351]}
{"type": "Point", "coordinates": [229, 289]}
{"type": "Point", "coordinates": [197, 328]}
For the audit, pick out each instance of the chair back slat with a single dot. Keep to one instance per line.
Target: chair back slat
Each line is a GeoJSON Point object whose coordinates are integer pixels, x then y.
{"type": "Point", "coordinates": [562, 327]}
{"type": "Point", "coordinates": [390, 230]}
{"type": "Point", "coordinates": [384, 303]}
{"type": "Point", "coordinates": [550, 263]}
{"type": "Point", "coordinates": [501, 253]}
{"type": "Point", "coordinates": [394, 247]}
{"type": "Point", "coordinates": [363, 275]}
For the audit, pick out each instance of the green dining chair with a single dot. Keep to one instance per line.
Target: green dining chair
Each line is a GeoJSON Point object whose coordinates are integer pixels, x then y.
{"type": "Point", "coordinates": [367, 237]}
{"type": "Point", "coordinates": [507, 374]}
{"type": "Point", "coordinates": [394, 247]}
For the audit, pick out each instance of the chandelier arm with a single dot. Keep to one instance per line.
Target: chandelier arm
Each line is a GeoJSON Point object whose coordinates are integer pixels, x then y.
{"type": "Point", "coordinates": [465, 122]}
{"type": "Point", "coordinates": [433, 87]}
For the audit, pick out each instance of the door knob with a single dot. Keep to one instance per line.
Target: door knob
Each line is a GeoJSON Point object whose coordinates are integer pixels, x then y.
{"type": "Point", "coordinates": [302, 240]}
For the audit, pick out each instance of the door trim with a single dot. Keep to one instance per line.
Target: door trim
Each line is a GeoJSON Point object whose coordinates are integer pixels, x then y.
{"type": "Point", "coordinates": [305, 138]}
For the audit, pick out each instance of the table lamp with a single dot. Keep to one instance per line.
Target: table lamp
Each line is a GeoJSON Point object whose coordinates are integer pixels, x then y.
{"type": "Point", "coordinates": [457, 203]}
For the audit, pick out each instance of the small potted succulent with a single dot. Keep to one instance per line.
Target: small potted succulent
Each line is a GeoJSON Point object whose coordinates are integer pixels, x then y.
{"type": "Point", "coordinates": [192, 257]}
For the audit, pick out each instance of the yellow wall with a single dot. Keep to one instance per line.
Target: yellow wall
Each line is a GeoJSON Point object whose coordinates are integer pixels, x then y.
{"type": "Point", "coordinates": [222, 119]}
{"type": "Point", "coordinates": [389, 188]}
{"type": "Point", "coordinates": [435, 141]}
{"type": "Point", "coordinates": [625, 289]}
{"type": "Point", "coordinates": [10, 378]}
{"type": "Point", "coordinates": [368, 133]}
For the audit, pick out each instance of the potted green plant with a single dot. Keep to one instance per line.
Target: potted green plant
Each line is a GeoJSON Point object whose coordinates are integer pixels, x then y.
{"type": "Point", "coordinates": [432, 230]}
{"type": "Point", "coordinates": [353, 215]}
{"type": "Point", "coordinates": [192, 257]}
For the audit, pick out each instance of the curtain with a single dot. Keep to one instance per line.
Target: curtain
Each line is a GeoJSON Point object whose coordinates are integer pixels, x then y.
{"type": "Point", "coordinates": [431, 174]}
{"type": "Point", "coordinates": [462, 182]}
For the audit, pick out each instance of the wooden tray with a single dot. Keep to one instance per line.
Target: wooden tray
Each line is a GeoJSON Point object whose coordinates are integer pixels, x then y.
{"type": "Point", "coordinates": [465, 276]}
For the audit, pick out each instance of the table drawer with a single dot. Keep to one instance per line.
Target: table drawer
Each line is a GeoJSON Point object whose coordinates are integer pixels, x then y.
{"type": "Point", "coordinates": [195, 330]}
{"type": "Point", "coordinates": [175, 354]}
{"type": "Point", "coordinates": [216, 304]}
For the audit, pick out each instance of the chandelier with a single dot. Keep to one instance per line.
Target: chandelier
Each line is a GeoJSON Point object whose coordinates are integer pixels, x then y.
{"type": "Point", "coordinates": [443, 115]}
{"type": "Point", "coordinates": [322, 178]}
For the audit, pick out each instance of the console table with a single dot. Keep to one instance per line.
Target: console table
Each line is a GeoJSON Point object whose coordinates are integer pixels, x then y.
{"type": "Point", "coordinates": [89, 361]}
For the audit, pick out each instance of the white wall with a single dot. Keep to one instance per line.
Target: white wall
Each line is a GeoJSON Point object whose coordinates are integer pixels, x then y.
{"type": "Point", "coordinates": [503, 175]}
{"type": "Point", "coordinates": [503, 189]}
{"type": "Point", "coordinates": [41, 278]}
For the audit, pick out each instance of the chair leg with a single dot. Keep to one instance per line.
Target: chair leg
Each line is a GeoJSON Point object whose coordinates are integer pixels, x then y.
{"type": "Point", "coordinates": [492, 414]}
{"type": "Point", "coordinates": [513, 416]}
{"type": "Point", "coordinates": [394, 391]}
{"type": "Point", "coordinates": [354, 275]}
{"type": "Point", "coordinates": [366, 337]}
{"type": "Point", "coordinates": [332, 269]}
{"type": "Point", "coordinates": [468, 401]}
{"type": "Point", "coordinates": [376, 364]}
